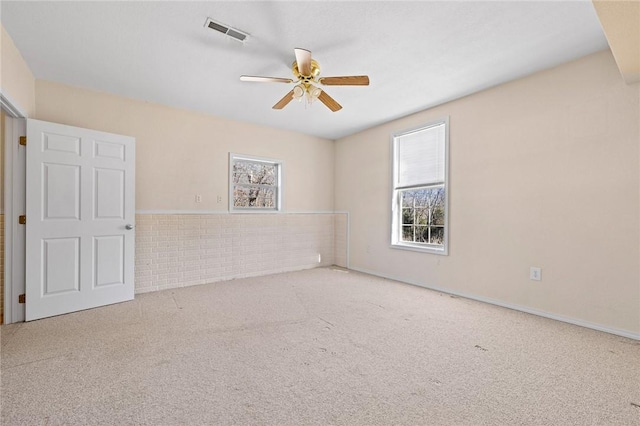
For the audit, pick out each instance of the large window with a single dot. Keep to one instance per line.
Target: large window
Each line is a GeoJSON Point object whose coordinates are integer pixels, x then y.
{"type": "Point", "coordinates": [420, 159]}
{"type": "Point", "coordinates": [254, 183]}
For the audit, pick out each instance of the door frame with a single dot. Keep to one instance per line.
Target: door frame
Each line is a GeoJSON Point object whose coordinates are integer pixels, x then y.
{"type": "Point", "coordinates": [14, 191]}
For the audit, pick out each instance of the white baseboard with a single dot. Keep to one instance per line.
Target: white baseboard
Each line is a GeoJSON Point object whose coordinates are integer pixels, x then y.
{"type": "Point", "coordinates": [231, 277]}
{"type": "Point", "coordinates": [526, 309]}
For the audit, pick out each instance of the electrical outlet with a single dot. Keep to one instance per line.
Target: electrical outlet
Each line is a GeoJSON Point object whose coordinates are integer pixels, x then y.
{"type": "Point", "coordinates": [535, 273]}
{"type": "Point", "coordinates": [219, 199]}
{"type": "Point", "coordinates": [198, 198]}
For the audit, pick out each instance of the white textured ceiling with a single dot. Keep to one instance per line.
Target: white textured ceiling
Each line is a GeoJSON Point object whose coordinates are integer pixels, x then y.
{"type": "Point", "coordinates": [417, 54]}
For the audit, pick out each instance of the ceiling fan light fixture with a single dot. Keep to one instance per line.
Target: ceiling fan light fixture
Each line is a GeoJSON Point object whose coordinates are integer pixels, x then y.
{"type": "Point", "coordinates": [298, 92]}
{"type": "Point", "coordinates": [314, 91]}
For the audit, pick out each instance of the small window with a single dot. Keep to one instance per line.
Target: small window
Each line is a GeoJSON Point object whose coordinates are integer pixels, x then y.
{"type": "Point", "coordinates": [255, 184]}
{"type": "Point", "coordinates": [419, 217]}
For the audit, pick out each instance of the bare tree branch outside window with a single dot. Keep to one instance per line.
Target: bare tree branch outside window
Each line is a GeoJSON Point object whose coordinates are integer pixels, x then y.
{"type": "Point", "coordinates": [423, 215]}
{"type": "Point", "coordinates": [255, 184]}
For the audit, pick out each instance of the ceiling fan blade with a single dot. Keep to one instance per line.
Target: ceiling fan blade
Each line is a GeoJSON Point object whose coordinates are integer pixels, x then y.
{"type": "Point", "coordinates": [303, 58]}
{"type": "Point", "coordinates": [329, 101]}
{"type": "Point", "coordinates": [265, 79]}
{"type": "Point", "coordinates": [284, 101]}
{"type": "Point", "coordinates": [351, 80]}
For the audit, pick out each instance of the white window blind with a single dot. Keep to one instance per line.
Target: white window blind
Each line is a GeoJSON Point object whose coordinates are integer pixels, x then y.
{"type": "Point", "coordinates": [420, 156]}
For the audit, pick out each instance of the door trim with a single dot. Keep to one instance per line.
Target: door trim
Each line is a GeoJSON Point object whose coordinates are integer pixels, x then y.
{"type": "Point", "coordinates": [10, 108]}
{"type": "Point", "coordinates": [14, 261]}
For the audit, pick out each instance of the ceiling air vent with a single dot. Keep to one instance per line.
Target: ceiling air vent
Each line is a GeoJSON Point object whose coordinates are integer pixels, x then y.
{"type": "Point", "coordinates": [233, 33]}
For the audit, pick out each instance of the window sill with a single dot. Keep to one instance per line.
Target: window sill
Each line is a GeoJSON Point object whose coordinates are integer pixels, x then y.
{"type": "Point", "coordinates": [422, 249]}
{"type": "Point", "coordinates": [254, 211]}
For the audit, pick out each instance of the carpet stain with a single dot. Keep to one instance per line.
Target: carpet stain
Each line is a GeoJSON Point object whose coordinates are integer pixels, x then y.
{"type": "Point", "coordinates": [175, 301]}
{"type": "Point", "coordinates": [322, 319]}
{"type": "Point", "coordinates": [481, 348]}
{"type": "Point", "coordinates": [375, 304]}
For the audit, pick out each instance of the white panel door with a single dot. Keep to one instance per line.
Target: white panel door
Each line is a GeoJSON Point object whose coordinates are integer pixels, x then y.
{"type": "Point", "coordinates": [80, 211]}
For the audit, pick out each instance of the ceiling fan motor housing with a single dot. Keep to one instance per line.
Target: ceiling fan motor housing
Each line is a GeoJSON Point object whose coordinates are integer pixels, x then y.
{"type": "Point", "coordinates": [306, 79]}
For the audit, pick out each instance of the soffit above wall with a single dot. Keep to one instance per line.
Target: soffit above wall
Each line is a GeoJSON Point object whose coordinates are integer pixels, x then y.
{"type": "Point", "coordinates": [620, 21]}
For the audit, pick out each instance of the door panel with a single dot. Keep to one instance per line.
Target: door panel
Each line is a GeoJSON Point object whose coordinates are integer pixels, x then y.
{"type": "Point", "coordinates": [109, 194]}
{"type": "Point", "coordinates": [61, 265]}
{"type": "Point", "coordinates": [109, 150]}
{"type": "Point", "coordinates": [109, 261]}
{"type": "Point", "coordinates": [80, 197]}
{"type": "Point", "coordinates": [60, 192]}
{"type": "Point", "coordinates": [61, 143]}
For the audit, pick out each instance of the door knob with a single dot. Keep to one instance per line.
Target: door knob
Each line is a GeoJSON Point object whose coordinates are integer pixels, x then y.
{"type": "Point", "coordinates": [129, 226]}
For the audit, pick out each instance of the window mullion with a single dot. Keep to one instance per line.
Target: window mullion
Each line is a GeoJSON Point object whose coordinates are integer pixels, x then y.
{"type": "Point", "coordinates": [413, 221]}
{"type": "Point", "coordinates": [256, 185]}
{"type": "Point", "coordinates": [418, 186]}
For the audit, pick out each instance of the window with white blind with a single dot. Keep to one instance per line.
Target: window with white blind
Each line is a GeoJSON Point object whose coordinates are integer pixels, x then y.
{"type": "Point", "coordinates": [255, 184]}
{"type": "Point", "coordinates": [420, 168]}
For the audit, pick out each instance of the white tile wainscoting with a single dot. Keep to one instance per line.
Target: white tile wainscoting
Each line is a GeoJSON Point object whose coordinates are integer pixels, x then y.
{"type": "Point", "coordinates": [179, 250]}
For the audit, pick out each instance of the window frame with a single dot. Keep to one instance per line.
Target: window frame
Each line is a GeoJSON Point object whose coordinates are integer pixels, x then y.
{"type": "Point", "coordinates": [233, 158]}
{"type": "Point", "coordinates": [396, 192]}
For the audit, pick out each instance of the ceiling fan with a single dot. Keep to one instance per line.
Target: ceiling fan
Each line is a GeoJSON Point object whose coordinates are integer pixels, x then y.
{"type": "Point", "coordinates": [307, 71]}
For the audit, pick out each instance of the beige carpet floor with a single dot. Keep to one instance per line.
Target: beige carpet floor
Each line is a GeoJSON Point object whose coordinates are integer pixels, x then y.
{"type": "Point", "coordinates": [314, 347]}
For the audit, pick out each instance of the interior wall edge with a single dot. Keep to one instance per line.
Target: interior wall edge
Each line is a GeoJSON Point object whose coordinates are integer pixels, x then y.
{"type": "Point", "coordinates": [515, 307]}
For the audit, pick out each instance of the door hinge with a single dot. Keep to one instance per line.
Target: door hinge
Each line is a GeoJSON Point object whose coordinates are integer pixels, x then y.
{"type": "Point", "coordinates": [23, 140]}
{"type": "Point", "coordinates": [22, 298]}
{"type": "Point", "coordinates": [22, 219]}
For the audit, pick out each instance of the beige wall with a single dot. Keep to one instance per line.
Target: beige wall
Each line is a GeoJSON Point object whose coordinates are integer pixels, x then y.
{"type": "Point", "coordinates": [16, 80]}
{"type": "Point", "coordinates": [180, 154]}
{"type": "Point", "coordinates": [544, 171]}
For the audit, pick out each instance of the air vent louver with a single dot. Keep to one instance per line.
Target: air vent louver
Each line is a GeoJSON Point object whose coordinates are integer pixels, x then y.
{"type": "Point", "coordinates": [218, 27]}
{"type": "Point", "coordinates": [235, 34]}
{"type": "Point", "coordinates": [232, 33]}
